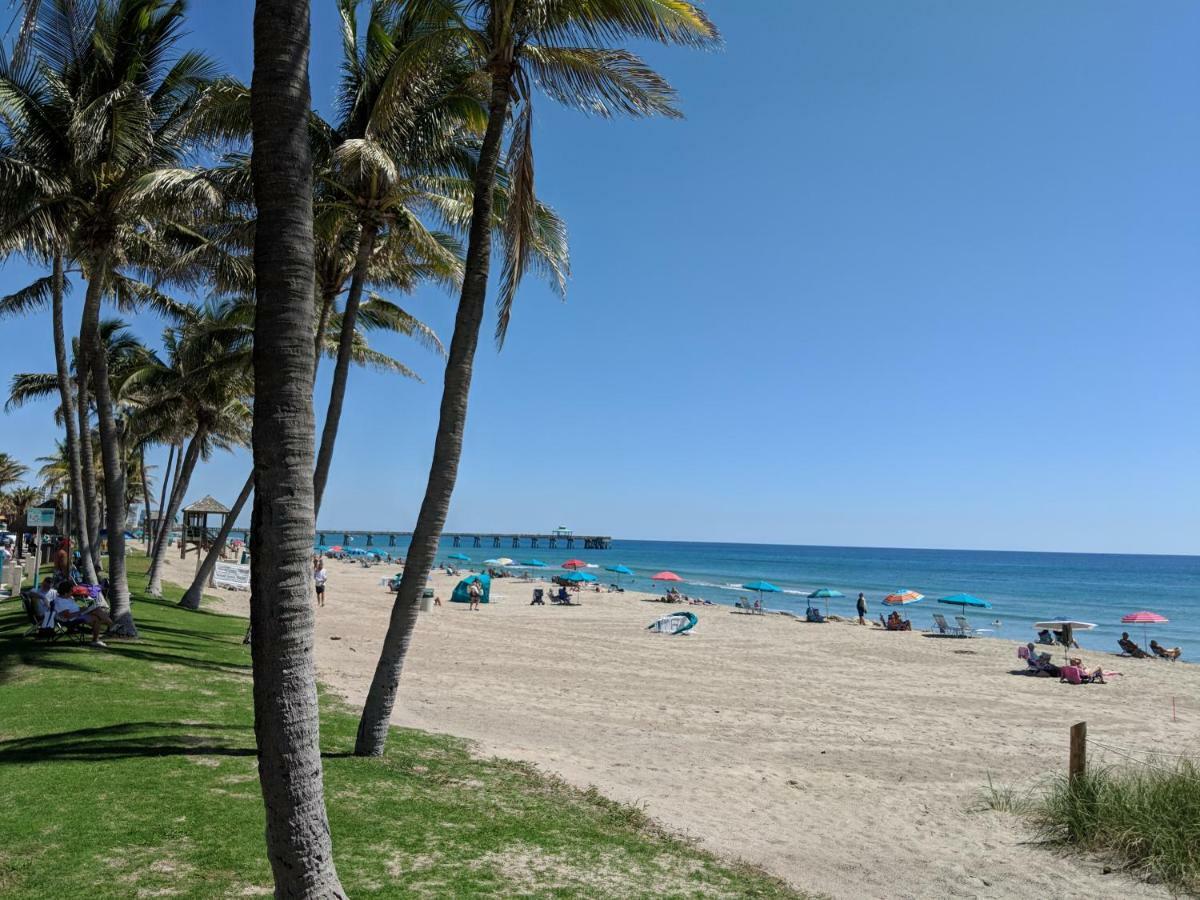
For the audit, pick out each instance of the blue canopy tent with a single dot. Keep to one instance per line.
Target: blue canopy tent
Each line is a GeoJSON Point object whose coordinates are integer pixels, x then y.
{"type": "Point", "coordinates": [461, 594]}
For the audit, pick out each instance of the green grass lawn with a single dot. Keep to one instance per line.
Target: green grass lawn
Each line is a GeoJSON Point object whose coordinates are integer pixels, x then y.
{"type": "Point", "coordinates": [131, 772]}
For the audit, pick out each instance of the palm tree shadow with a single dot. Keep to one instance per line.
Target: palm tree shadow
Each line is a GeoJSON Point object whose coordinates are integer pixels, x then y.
{"type": "Point", "coordinates": [126, 741]}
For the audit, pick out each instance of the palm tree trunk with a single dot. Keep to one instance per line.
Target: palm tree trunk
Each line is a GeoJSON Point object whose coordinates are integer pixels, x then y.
{"type": "Point", "coordinates": [195, 593]}
{"type": "Point", "coordinates": [110, 455]}
{"type": "Point", "coordinates": [447, 449]}
{"type": "Point", "coordinates": [162, 501]}
{"type": "Point", "coordinates": [87, 454]}
{"type": "Point", "coordinates": [146, 497]}
{"type": "Point", "coordinates": [66, 397]}
{"type": "Point", "coordinates": [190, 457]}
{"type": "Point", "coordinates": [286, 723]}
{"type": "Point", "coordinates": [341, 371]}
{"type": "Point", "coordinates": [170, 477]}
{"type": "Point", "coordinates": [322, 326]}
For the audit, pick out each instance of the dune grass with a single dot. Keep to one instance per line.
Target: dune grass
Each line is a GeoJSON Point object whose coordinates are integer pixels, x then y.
{"type": "Point", "coordinates": [132, 772]}
{"type": "Point", "coordinates": [1146, 818]}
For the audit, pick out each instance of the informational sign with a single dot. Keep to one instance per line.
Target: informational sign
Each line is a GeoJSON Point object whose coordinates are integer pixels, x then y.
{"type": "Point", "coordinates": [39, 517]}
{"type": "Point", "coordinates": [231, 575]}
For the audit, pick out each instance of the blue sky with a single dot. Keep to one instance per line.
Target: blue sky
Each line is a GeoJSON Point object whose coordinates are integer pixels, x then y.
{"type": "Point", "coordinates": [909, 274]}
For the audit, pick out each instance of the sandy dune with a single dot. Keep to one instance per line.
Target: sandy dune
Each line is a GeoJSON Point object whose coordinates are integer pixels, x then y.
{"type": "Point", "coordinates": [842, 758]}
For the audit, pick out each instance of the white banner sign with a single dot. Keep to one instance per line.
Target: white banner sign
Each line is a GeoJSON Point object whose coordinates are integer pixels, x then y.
{"type": "Point", "coordinates": [231, 575]}
{"type": "Point", "coordinates": [39, 517]}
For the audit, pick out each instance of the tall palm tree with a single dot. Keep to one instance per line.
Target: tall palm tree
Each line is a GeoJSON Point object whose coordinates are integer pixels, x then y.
{"type": "Point", "coordinates": [286, 723]}
{"type": "Point", "coordinates": [567, 48]}
{"type": "Point", "coordinates": [201, 390]}
{"type": "Point", "coordinates": [114, 113]}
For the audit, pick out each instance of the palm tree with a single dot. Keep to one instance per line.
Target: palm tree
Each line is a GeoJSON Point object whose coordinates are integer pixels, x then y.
{"type": "Point", "coordinates": [11, 471]}
{"type": "Point", "coordinates": [286, 724]}
{"type": "Point", "coordinates": [111, 117]}
{"type": "Point", "coordinates": [202, 390]}
{"type": "Point", "coordinates": [14, 503]}
{"type": "Point", "coordinates": [566, 48]}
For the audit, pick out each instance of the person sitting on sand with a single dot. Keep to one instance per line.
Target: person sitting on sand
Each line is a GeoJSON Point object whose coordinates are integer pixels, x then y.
{"type": "Point", "coordinates": [1045, 636]}
{"type": "Point", "coordinates": [1162, 652]}
{"type": "Point", "coordinates": [1040, 664]}
{"type": "Point", "coordinates": [1131, 648]}
{"type": "Point", "coordinates": [1094, 676]}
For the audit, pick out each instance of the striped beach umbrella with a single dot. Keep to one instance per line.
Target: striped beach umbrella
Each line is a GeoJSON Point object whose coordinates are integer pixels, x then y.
{"type": "Point", "coordinates": [1145, 618]}
{"type": "Point", "coordinates": [903, 598]}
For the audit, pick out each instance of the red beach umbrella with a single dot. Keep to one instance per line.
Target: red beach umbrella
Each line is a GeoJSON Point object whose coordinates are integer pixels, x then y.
{"type": "Point", "coordinates": [574, 564]}
{"type": "Point", "coordinates": [1144, 618]}
{"type": "Point", "coordinates": [666, 576]}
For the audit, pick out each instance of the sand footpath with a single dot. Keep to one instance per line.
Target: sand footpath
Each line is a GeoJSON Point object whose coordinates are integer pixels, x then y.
{"type": "Point", "coordinates": [847, 760]}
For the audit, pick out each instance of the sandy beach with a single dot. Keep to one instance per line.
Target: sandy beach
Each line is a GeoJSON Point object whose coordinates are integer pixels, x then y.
{"type": "Point", "coordinates": [848, 760]}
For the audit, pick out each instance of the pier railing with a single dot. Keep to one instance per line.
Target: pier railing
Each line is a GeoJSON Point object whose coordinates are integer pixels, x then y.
{"type": "Point", "coordinates": [476, 539]}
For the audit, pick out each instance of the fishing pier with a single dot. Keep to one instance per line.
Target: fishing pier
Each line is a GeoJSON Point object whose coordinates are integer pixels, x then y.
{"type": "Point", "coordinates": [554, 540]}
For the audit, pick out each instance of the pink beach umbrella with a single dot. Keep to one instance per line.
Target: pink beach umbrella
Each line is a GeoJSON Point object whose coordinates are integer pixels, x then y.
{"type": "Point", "coordinates": [665, 576]}
{"type": "Point", "coordinates": [1144, 618]}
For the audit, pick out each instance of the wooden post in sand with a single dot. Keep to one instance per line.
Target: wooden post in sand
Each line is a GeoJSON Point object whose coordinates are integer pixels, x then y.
{"type": "Point", "coordinates": [1077, 766]}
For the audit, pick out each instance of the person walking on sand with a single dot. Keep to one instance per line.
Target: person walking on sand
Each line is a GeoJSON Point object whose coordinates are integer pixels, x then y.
{"type": "Point", "coordinates": [862, 609]}
{"type": "Point", "coordinates": [475, 592]}
{"type": "Point", "coordinates": [320, 576]}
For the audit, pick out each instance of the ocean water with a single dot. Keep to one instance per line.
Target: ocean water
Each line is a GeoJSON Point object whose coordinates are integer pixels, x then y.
{"type": "Point", "coordinates": [1023, 587]}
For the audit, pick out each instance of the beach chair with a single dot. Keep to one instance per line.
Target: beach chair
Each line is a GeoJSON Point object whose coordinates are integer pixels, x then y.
{"type": "Point", "coordinates": [79, 631]}
{"type": "Point", "coordinates": [945, 627]}
{"type": "Point", "coordinates": [965, 629]}
{"type": "Point", "coordinates": [1071, 675]}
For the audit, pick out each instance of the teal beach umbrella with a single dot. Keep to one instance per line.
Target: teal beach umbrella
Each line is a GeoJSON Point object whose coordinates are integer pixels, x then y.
{"type": "Point", "coordinates": [534, 564]}
{"type": "Point", "coordinates": [461, 557]}
{"type": "Point", "coordinates": [965, 600]}
{"type": "Point", "coordinates": [578, 577]}
{"type": "Point", "coordinates": [825, 594]}
{"type": "Point", "coordinates": [763, 587]}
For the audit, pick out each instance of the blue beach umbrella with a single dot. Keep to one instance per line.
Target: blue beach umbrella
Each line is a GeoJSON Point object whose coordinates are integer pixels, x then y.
{"type": "Point", "coordinates": [763, 587]}
{"type": "Point", "coordinates": [534, 564]}
{"type": "Point", "coordinates": [619, 570]}
{"type": "Point", "coordinates": [825, 594]}
{"type": "Point", "coordinates": [461, 557]}
{"type": "Point", "coordinates": [579, 577]}
{"type": "Point", "coordinates": [965, 600]}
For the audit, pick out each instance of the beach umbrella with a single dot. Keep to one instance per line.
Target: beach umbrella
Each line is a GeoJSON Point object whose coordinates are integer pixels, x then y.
{"type": "Point", "coordinates": [665, 576]}
{"type": "Point", "coordinates": [1066, 627]}
{"type": "Point", "coordinates": [965, 600]}
{"type": "Point", "coordinates": [461, 557]}
{"type": "Point", "coordinates": [578, 577]}
{"type": "Point", "coordinates": [825, 594]}
{"type": "Point", "coordinates": [336, 548]}
{"type": "Point", "coordinates": [763, 587]}
{"type": "Point", "coordinates": [534, 564]}
{"type": "Point", "coordinates": [504, 561]}
{"type": "Point", "coordinates": [902, 598]}
{"type": "Point", "coordinates": [492, 562]}
{"type": "Point", "coordinates": [619, 570]}
{"type": "Point", "coordinates": [1144, 618]}
{"type": "Point", "coordinates": [574, 564]}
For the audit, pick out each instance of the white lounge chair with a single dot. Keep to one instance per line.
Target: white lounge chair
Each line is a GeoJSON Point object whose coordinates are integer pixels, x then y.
{"type": "Point", "coordinates": [965, 628]}
{"type": "Point", "coordinates": [945, 627]}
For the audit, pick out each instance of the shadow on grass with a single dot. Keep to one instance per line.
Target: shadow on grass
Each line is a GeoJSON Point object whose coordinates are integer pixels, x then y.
{"type": "Point", "coordinates": [131, 740]}
{"type": "Point", "coordinates": [136, 650]}
{"type": "Point", "coordinates": [124, 741]}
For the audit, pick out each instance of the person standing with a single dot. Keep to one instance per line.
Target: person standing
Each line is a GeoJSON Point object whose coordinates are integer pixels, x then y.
{"type": "Point", "coordinates": [320, 576]}
{"type": "Point", "coordinates": [475, 592]}
{"type": "Point", "coordinates": [862, 608]}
